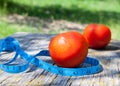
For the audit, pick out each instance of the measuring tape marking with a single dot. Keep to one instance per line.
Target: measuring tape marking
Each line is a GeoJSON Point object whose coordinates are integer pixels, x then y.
{"type": "Point", "coordinates": [11, 44]}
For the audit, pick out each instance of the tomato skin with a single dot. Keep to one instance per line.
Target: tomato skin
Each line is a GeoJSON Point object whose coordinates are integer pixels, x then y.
{"type": "Point", "coordinates": [97, 35]}
{"type": "Point", "coordinates": [68, 49]}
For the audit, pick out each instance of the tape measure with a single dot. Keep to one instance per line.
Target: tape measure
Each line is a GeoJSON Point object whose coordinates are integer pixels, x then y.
{"type": "Point", "coordinates": [10, 44]}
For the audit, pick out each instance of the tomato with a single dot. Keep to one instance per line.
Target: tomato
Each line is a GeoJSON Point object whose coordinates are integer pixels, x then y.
{"type": "Point", "coordinates": [68, 49]}
{"type": "Point", "coordinates": [97, 35]}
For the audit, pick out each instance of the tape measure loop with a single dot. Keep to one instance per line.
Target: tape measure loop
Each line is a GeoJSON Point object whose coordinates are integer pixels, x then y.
{"type": "Point", "coordinates": [11, 44]}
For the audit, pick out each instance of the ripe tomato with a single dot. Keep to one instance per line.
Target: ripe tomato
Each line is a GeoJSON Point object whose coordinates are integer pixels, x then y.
{"type": "Point", "coordinates": [68, 49]}
{"type": "Point", "coordinates": [97, 35]}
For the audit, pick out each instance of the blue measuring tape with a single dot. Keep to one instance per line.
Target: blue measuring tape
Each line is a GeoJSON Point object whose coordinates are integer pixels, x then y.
{"type": "Point", "coordinates": [10, 44]}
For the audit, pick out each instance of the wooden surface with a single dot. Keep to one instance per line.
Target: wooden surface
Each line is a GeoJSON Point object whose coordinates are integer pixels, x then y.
{"type": "Point", "coordinates": [33, 43]}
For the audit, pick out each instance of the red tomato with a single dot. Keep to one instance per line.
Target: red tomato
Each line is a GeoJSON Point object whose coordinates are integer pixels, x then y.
{"type": "Point", "coordinates": [97, 35]}
{"type": "Point", "coordinates": [68, 49]}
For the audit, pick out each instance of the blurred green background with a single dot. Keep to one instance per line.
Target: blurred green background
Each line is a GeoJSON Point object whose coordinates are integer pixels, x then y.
{"type": "Point", "coordinates": [78, 11]}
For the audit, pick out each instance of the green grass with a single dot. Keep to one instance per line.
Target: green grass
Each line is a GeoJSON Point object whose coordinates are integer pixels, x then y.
{"type": "Point", "coordinates": [7, 29]}
{"type": "Point", "coordinates": [80, 11]}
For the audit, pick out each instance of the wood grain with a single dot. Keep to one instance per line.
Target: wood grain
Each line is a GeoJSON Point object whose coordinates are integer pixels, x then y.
{"type": "Point", "coordinates": [34, 43]}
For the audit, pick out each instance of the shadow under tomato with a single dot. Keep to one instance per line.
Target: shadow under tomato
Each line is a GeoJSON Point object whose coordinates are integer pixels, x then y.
{"type": "Point", "coordinates": [112, 46]}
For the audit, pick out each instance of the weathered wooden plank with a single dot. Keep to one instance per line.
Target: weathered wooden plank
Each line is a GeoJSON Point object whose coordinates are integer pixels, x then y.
{"type": "Point", "coordinates": [33, 43]}
{"type": "Point", "coordinates": [109, 75]}
{"type": "Point", "coordinates": [60, 80]}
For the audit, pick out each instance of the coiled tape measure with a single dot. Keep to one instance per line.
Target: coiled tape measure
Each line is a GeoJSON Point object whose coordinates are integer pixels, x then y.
{"type": "Point", "coordinates": [11, 44]}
